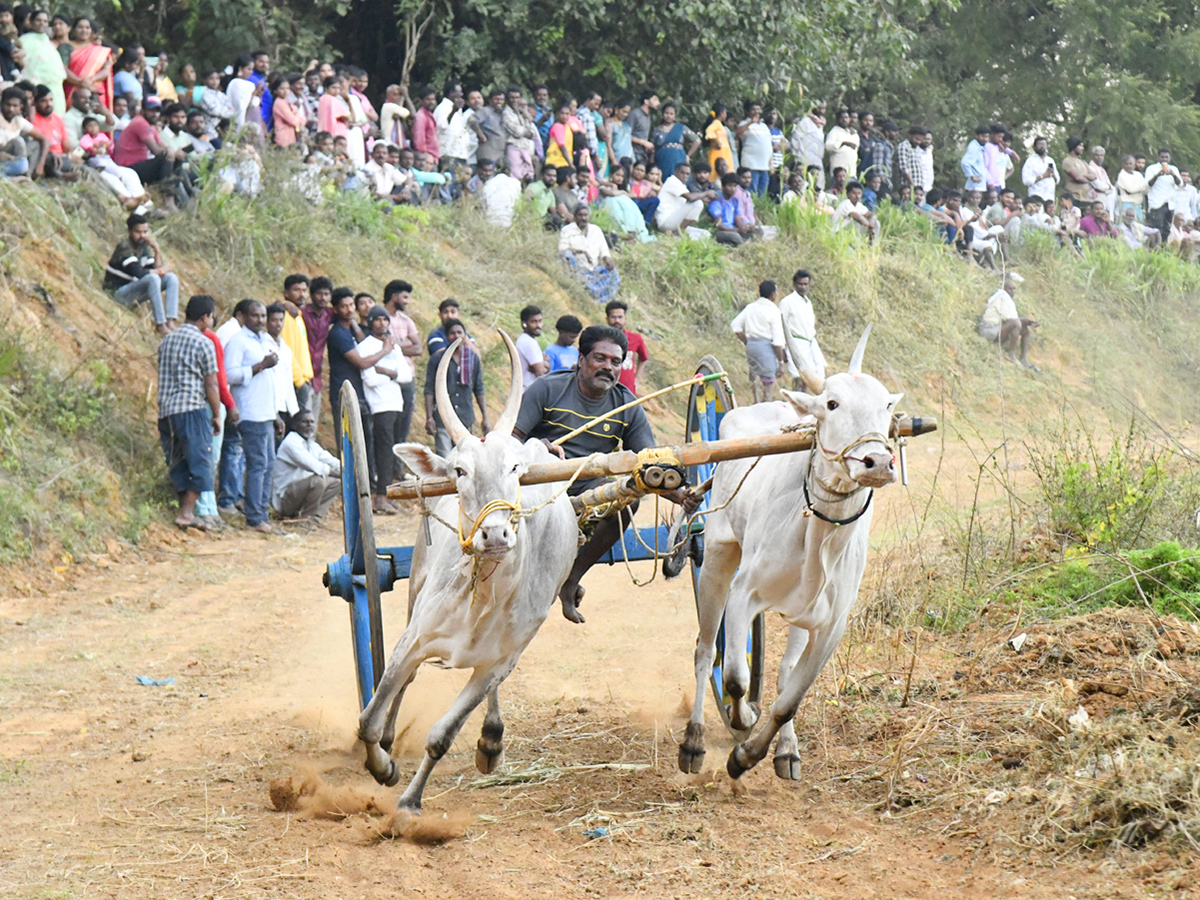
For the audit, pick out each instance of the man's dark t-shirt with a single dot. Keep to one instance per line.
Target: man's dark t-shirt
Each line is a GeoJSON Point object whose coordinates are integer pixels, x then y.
{"type": "Point", "coordinates": [341, 341]}
{"type": "Point", "coordinates": [553, 406]}
{"type": "Point", "coordinates": [460, 394]}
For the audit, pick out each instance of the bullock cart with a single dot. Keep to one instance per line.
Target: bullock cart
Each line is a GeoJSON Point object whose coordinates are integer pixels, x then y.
{"type": "Point", "coordinates": [365, 571]}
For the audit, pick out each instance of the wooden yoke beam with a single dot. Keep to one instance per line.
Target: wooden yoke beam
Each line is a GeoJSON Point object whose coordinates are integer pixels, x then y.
{"type": "Point", "coordinates": [622, 462]}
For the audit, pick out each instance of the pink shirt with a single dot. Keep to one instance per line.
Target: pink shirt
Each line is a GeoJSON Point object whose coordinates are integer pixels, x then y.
{"type": "Point", "coordinates": [100, 145]}
{"type": "Point", "coordinates": [287, 120]}
{"type": "Point", "coordinates": [133, 146]}
{"type": "Point", "coordinates": [333, 114]}
{"type": "Point", "coordinates": [425, 133]}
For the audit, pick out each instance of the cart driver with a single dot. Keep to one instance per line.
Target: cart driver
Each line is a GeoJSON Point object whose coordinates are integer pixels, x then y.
{"type": "Point", "coordinates": [560, 402]}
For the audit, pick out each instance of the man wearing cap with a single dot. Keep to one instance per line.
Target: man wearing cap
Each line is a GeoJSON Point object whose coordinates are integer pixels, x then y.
{"type": "Point", "coordinates": [140, 147]}
{"type": "Point", "coordinates": [385, 399]}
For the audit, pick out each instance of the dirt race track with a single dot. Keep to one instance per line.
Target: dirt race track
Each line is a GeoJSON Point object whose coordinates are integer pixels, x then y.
{"type": "Point", "coordinates": [113, 789]}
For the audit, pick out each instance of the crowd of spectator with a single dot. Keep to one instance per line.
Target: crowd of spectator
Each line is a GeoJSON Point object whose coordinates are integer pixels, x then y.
{"type": "Point", "coordinates": [239, 403]}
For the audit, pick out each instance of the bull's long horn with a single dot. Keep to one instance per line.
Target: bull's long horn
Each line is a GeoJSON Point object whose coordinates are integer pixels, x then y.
{"type": "Point", "coordinates": [445, 408]}
{"type": "Point", "coordinates": [512, 406]}
{"type": "Point", "coordinates": [813, 380]}
{"type": "Point", "coordinates": [857, 358]}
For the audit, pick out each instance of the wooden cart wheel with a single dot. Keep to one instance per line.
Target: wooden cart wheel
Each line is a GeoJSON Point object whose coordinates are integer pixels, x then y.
{"type": "Point", "coordinates": [366, 620]}
{"type": "Point", "coordinates": [707, 405]}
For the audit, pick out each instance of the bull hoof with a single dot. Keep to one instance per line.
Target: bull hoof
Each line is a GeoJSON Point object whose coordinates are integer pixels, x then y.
{"type": "Point", "coordinates": [393, 776]}
{"type": "Point", "coordinates": [743, 716]}
{"type": "Point", "coordinates": [736, 765]}
{"type": "Point", "coordinates": [788, 767]}
{"type": "Point", "coordinates": [691, 759]}
{"type": "Point", "coordinates": [407, 804]}
{"type": "Point", "coordinates": [486, 762]}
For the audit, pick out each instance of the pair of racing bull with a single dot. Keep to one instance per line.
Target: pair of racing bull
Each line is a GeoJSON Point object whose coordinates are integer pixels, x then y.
{"type": "Point", "coordinates": [792, 540]}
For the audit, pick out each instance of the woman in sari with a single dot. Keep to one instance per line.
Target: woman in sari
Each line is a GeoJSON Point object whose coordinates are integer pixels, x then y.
{"type": "Point", "coordinates": [560, 146]}
{"type": "Point", "coordinates": [90, 64]}
{"type": "Point", "coordinates": [718, 139]}
{"type": "Point", "coordinates": [60, 33]}
{"type": "Point", "coordinates": [674, 142]}
{"type": "Point", "coordinates": [43, 65]}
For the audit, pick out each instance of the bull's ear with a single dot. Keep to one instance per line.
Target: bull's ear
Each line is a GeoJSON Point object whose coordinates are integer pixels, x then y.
{"type": "Point", "coordinates": [893, 399]}
{"type": "Point", "coordinates": [805, 404]}
{"type": "Point", "coordinates": [423, 461]}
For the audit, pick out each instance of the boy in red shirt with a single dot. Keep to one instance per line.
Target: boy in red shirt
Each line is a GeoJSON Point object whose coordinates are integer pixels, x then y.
{"type": "Point", "coordinates": [631, 370]}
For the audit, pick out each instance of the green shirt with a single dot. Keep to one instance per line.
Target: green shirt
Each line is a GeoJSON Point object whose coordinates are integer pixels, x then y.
{"type": "Point", "coordinates": [542, 197]}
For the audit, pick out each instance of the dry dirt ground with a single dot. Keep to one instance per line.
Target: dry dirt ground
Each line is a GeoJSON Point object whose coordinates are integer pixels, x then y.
{"type": "Point", "coordinates": [113, 789]}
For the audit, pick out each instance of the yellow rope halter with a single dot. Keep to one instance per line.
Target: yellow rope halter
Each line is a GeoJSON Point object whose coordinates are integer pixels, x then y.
{"type": "Point", "coordinates": [466, 542]}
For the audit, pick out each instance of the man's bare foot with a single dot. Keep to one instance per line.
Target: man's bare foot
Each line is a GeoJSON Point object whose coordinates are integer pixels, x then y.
{"type": "Point", "coordinates": [570, 608]}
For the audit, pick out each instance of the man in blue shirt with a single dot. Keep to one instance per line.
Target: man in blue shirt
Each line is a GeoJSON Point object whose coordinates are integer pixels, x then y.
{"type": "Point", "coordinates": [347, 364]}
{"type": "Point", "coordinates": [248, 361]}
{"type": "Point", "coordinates": [724, 211]}
{"type": "Point", "coordinates": [563, 354]}
{"type": "Point", "coordinates": [262, 71]}
{"type": "Point", "coordinates": [974, 162]}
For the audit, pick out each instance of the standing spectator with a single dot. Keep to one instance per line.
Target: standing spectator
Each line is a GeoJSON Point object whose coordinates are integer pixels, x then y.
{"type": "Point", "coordinates": [448, 309]}
{"type": "Point", "coordinates": [885, 155]}
{"type": "Point", "coordinates": [994, 159]}
{"type": "Point", "coordinates": [640, 124]}
{"type": "Point", "coordinates": [206, 506]}
{"type": "Point", "coordinates": [295, 335]}
{"type": "Point", "coordinates": [974, 164]}
{"type": "Point", "coordinates": [908, 159]}
{"type": "Point", "coordinates": [1039, 173]}
{"type": "Point", "coordinates": [842, 145]}
{"type": "Point", "coordinates": [755, 135]}
{"type": "Point", "coordinates": [43, 63]}
{"type": "Point", "coordinates": [615, 313]}
{"type": "Point", "coordinates": [543, 115]}
{"type": "Point", "coordinates": [249, 360]}
{"type": "Point", "coordinates": [231, 461]}
{"type": "Point", "coordinates": [519, 132]}
{"type": "Point", "coordinates": [716, 135]}
{"type": "Point", "coordinates": [800, 321]}
{"type": "Point", "coordinates": [808, 142]}
{"type": "Point", "coordinates": [392, 114]}
{"type": "Point", "coordinates": [563, 354]}
{"type": "Point", "coordinates": [136, 272]}
{"type": "Point", "coordinates": [621, 135]}
{"type": "Point", "coordinates": [318, 317]}
{"type": "Point", "coordinates": [493, 145]}
{"type": "Point", "coordinates": [560, 142]}
{"type": "Point", "coordinates": [926, 157]}
{"type": "Point", "coordinates": [286, 404]}
{"type": "Point", "coordinates": [868, 144]}
{"type": "Point", "coordinates": [125, 80]}
{"type": "Point", "coordinates": [1131, 188]}
{"type": "Point", "coordinates": [586, 251]}
{"type": "Point", "coordinates": [396, 297]}
{"type": "Point", "coordinates": [464, 380]}
{"type": "Point", "coordinates": [1163, 181]}
{"type": "Point", "coordinates": [424, 138]}
{"type": "Point", "coordinates": [385, 399]}
{"type": "Point", "coordinates": [306, 478]}
{"type": "Point", "coordinates": [287, 115]}
{"type": "Point", "coordinates": [759, 326]}
{"type": "Point", "coordinates": [674, 142]}
{"type": "Point", "coordinates": [1185, 197]}
{"type": "Point", "coordinates": [216, 105]}
{"type": "Point", "coordinates": [347, 364]}
{"type": "Point", "coordinates": [1075, 167]}
{"type": "Point", "coordinates": [1101, 185]}
{"type": "Point", "coordinates": [533, 362]}
{"type": "Point", "coordinates": [189, 405]}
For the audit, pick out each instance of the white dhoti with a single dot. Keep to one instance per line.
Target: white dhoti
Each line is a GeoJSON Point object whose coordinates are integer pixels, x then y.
{"type": "Point", "coordinates": [688, 212]}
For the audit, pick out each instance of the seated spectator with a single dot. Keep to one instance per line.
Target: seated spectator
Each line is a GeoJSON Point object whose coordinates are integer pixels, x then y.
{"type": "Point", "coordinates": [540, 194]}
{"type": "Point", "coordinates": [421, 181]}
{"type": "Point", "coordinates": [583, 246]}
{"type": "Point", "coordinates": [83, 104]}
{"type": "Point", "coordinates": [140, 148]}
{"type": "Point", "coordinates": [615, 200]}
{"type": "Point", "coordinates": [852, 212]}
{"type": "Point", "coordinates": [795, 189]}
{"type": "Point", "coordinates": [1134, 233]}
{"type": "Point", "coordinates": [982, 242]}
{"type": "Point", "coordinates": [385, 181]}
{"type": "Point", "coordinates": [59, 146]}
{"type": "Point", "coordinates": [22, 147]}
{"type": "Point", "coordinates": [640, 187]}
{"type": "Point", "coordinates": [1180, 239]}
{"type": "Point", "coordinates": [97, 149]}
{"type": "Point", "coordinates": [498, 194]}
{"type": "Point", "coordinates": [1095, 223]}
{"type": "Point", "coordinates": [678, 206]}
{"type": "Point", "coordinates": [215, 104]}
{"type": "Point", "coordinates": [563, 354]}
{"type": "Point", "coordinates": [201, 146]}
{"type": "Point", "coordinates": [464, 380]}
{"type": "Point", "coordinates": [566, 201]}
{"type": "Point", "coordinates": [120, 111]}
{"type": "Point", "coordinates": [125, 79]}
{"type": "Point", "coordinates": [136, 273]}
{"type": "Point", "coordinates": [1001, 324]}
{"type": "Point", "coordinates": [871, 191]}
{"type": "Point", "coordinates": [242, 172]}
{"type": "Point", "coordinates": [724, 211]}
{"type": "Point", "coordinates": [306, 477]}
{"type": "Point", "coordinates": [1131, 189]}
{"type": "Point", "coordinates": [1005, 214]}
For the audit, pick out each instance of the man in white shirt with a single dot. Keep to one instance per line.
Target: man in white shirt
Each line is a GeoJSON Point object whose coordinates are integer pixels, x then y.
{"type": "Point", "coordinates": [852, 211]}
{"type": "Point", "coordinates": [1001, 324]}
{"type": "Point", "coordinates": [285, 389]}
{"type": "Point", "coordinates": [499, 194]}
{"type": "Point", "coordinates": [800, 322]}
{"type": "Point", "coordinates": [306, 478]}
{"type": "Point", "coordinates": [385, 179]}
{"type": "Point", "coordinates": [583, 246]}
{"type": "Point", "coordinates": [1039, 173]}
{"type": "Point", "coordinates": [679, 208]}
{"type": "Point", "coordinates": [808, 142]}
{"type": "Point", "coordinates": [1164, 180]}
{"type": "Point", "coordinates": [760, 327]}
{"type": "Point", "coordinates": [842, 144]}
{"type": "Point", "coordinates": [385, 400]}
{"type": "Point", "coordinates": [1135, 234]}
{"type": "Point", "coordinates": [1184, 200]}
{"type": "Point", "coordinates": [533, 359]}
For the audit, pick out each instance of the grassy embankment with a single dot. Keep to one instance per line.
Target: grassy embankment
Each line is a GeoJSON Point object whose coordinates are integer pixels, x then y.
{"type": "Point", "coordinates": [79, 462]}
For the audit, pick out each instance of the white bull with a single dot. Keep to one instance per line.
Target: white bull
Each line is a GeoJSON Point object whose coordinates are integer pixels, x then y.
{"type": "Point", "coordinates": [795, 534]}
{"type": "Point", "coordinates": [477, 597]}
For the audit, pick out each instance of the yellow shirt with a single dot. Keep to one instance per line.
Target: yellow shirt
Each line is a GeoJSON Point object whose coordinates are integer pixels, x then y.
{"type": "Point", "coordinates": [295, 335]}
{"type": "Point", "coordinates": [718, 145]}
